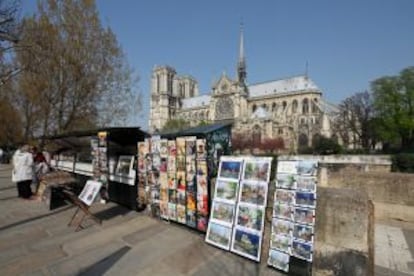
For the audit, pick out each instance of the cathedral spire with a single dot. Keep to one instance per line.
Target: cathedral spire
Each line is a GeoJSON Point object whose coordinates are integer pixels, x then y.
{"type": "Point", "coordinates": [241, 64]}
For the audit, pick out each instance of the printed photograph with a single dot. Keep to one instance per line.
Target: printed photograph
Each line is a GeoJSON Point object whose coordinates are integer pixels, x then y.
{"type": "Point", "coordinates": [191, 166]}
{"type": "Point", "coordinates": [141, 165]}
{"type": "Point", "coordinates": [303, 232]}
{"type": "Point", "coordinates": [302, 250]}
{"type": "Point", "coordinates": [172, 196]}
{"type": "Point", "coordinates": [285, 196]}
{"type": "Point", "coordinates": [287, 167]}
{"type": "Point", "coordinates": [283, 211]}
{"type": "Point", "coordinates": [180, 163]}
{"type": "Point", "coordinates": [171, 166]}
{"type": "Point", "coordinates": [172, 184]}
{"type": "Point", "coordinates": [190, 145]}
{"type": "Point", "coordinates": [202, 223]}
{"type": "Point", "coordinates": [280, 242]}
{"type": "Point", "coordinates": [256, 170]}
{"type": "Point", "coordinates": [218, 235]}
{"type": "Point", "coordinates": [172, 211]}
{"type": "Point", "coordinates": [180, 143]}
{"type": "Point", "coordinates": [172, 150]}
{"type": "Point", "coordinates": [253, 192]}
{"type": "Point", "coordinates": [202, 185]}
{"type": "Point", "coordinates": [202, 204]}
{"type": "Point", "coordinates": [202, 168]}
{"type": "Point", "coordinates": [142, 149]}
{"type": "Point", "coordinates": [246, 244]}
{"type": "Point", "coordinates": [164, 148]}
{"type": "Point", "coordinates": [164, 210]}
{"type": "Point", "coordinates": [230, 169]}
{"type": "Point", "coordinates": [304, 215]}
{"type": "Point", "coordinates": [191, 200]}
{"type": "Point", "coordinates": [201, 149]}
{"type": "Point", "coordinates": [280, 226]}
{"type": "Point", "coordinates": [164, 164]}
{"type": "Point", "coordinates": [226, 189]}
{"type": "Point", "coordinates": [180, 180]}
{"type": "Point", "coordinates": [306, 199]}
{"type": "Point", "coordinates": [181, 200]}
{"type": "Point", "coordinates": [308, 167]}
{"type": "Point", "coordinates": [181, 215]}
{"type": "Point", "coordinates": [223, 212]}
{"type": "Point", "coordinates": [279, 260]}
{"type": "Point", "coordinates": [191, 218]}
{"type": "Point", "coordinates": [250, 216]}
{"type": "Point", "coordinates": [164, 194]}
{"type": "Point", "coordinates": [286, 181]}
{"type": "Point", "coordinates": [306, 183]}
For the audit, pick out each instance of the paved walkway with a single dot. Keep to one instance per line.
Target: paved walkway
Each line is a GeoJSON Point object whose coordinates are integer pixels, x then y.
{"type": "Point", "coordinates": [37, 241]}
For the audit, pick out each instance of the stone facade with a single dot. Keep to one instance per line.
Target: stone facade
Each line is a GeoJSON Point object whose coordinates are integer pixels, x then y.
{"type": "Point", "coordinates": [292, 109]}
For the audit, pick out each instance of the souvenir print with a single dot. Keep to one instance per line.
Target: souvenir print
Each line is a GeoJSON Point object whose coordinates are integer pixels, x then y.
{"type": "Point", "coordinates": [181, 215]}
{"type": "Point", "coordinates": [229, 168]}
{"type": "Point", "coordinates": [191, 201]}
{"type": "Point", "coordinates": [282, 227]}
{"type": "Point", "coordinates": [181, 200]}
{"type": "Point", "coordinates": [302, 250]}
{"type": "Point", "coordinates": [246, 243]}
{"type": "Point", "coordinates": [124, 165]}
{"type": "Point", "coordinates": [306, 183]}
{"type": "Point", "coordinates": [253, 192]}
{"type": "Point", "coordinates": [250, 216]}
{"type": "Point", "coordinates": [306, 199]}
{"type": "Point", "coordinates": [181, 180]}
{"type": "Point", "coordinates": [202, 168]}
{"type": "Point", "coordinates": [191, 218]}
{"type": "Point", "coordinates": [283, 211]}
{"type": "Point", "coordinates": [226, 189]}
{"type": "Point", "coordinates": [280, 242]}
{"type": "Point", "coordinates": [180, 146]}
{"type": "Point", "coordinates": [164, 148]}
{"type": "Point", "coordinates": [308, 167]}
{"type": "Point", "coordinates": [279, 260]}
{"type": "Point", "coordinates": [202, 223]}
{"type": "Point", "coordinates": [172, 211]}
{"type": "Point", "coordinates": [287, 167]}
{"type": "Point", "coordinates": [202, 205]}
{"type": "Point", "coordinates": [283, 196]}
{"type": "Point", "coordinates": [190, 146]}
{"type": "Point", "coordinates": [164, 210]}
{"type": "Point", "coordinates": [218, 235]}
{"type": "Point", "coordinates": [257, 169]}
{"type": "Point", "coordinates": [180, 163]}
{"type": "Point", "coordinates": [172, 184]}
{"type": "Point", "coordinates": [171, 164]}
{"type": "Point", "coordinates": [172, 150]}
{"type": "Point", "coordinates": [163, 165]}
{"type": "Point", "coordinates": [223, 212]}
{"type": "Point", "coordinates": [172, 196]}
{"type": "Point", "coordinates": [286, 181]}
{"type": "Point", "coordinates": [201, 149]}
{"type": "Point", "coordinates": [304, 215]}
{"type": "Point", "coordinates": [303, 232]}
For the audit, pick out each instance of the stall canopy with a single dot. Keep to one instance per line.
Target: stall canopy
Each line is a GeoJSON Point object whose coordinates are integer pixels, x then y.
{"type": "Point", "coordinates": [199, 131]}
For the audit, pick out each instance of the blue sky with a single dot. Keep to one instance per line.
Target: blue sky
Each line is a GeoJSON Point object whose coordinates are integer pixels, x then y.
{"type": "Point", "coordinates": [347, 44]}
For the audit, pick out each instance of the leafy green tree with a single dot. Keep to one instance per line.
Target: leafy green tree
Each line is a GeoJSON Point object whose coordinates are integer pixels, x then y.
{"type": "Point", "coordinates": [394, 103]}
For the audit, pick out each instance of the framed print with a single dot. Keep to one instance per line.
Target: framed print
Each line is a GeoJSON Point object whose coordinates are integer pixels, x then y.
{"type": "Point", "coordinates": [283, 196]}
{"type": "Point", "coordinates": [124, 166]}
{"type": "Point", "coordinates": [226, 189]}
{"type": "Point", "coordinates": [303, 232]}
{"type": "Point", "coordinates": [250, 216]}
{"type": "Point", "coordinates": [282, 227]}
{"type": "Point", "coordinates": [201, 149]}
{"type": "Point", "coordinates": [305, 199]}
{"type": "Point", "coordinates": [181, 215]}
{"type": "Point", "coordinates": [172, 211]}
{"type": "Point", "coordinates": [247, 243]}
{"type": "Point", "coordinates": [286, 181]}
{"type": "Point", "coordinates": [230, 168]}
{"type": "Point", "coordinates": [280, 242]}
{"type": "Point", "coordinates": [288, 167]}
{"type": "Point", "coordinates": [253, 192]}
{"type": "Point", "coordinates": [219, 235]}
{"type": "Point", "coordinates": [257, 169]}
{"type": "Point", "coordinates": [283, 211]}
{"type": "Point", "coordinates": [304, 215]}
{"type": "Point", "coordinates": [223, 212]}
{"type": "Point", "coordinates": [302, 250]}
{"type": "Point", "coordinates": [308, 167]}
{"type": "Point", "coordinates": [306, 183]}
{"type": "Point", "coordinates": [279, 260]}
{"type": "Point", "coordinates": [90, 191]}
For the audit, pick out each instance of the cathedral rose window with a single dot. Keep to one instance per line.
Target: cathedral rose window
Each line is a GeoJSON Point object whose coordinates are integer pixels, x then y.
{"type": "Point", "coordinates": [224, 109]}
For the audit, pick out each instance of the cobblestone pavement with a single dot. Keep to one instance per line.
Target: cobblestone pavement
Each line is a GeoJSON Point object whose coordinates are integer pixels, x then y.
{"type": "Point", "coordinates": [37, 241]}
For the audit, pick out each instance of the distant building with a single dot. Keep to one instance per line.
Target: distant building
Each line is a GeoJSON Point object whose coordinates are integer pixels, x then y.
{"type": "Point", "coordinates": [291, 108]}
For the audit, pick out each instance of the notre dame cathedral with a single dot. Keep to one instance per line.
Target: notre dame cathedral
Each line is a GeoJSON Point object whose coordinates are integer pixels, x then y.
{"type": "Point", "coordinates": [291, 108]}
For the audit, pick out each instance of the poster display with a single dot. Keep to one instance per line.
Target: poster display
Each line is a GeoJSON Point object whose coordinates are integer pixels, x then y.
{"type": "Point", "coordinates": [293, 213]}
{"type": "Point", "coordinates": [239, 205]}
{"type": "Point", "coordinates": [90, 191]}
{"type": "Point", "coordinates": [202, 185]}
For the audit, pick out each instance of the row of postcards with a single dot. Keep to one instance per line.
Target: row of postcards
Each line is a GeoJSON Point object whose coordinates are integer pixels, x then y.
{"type": "Point", "coordinates": [293, 213]}
{"type": "Point", "coordinates": [176, 173]}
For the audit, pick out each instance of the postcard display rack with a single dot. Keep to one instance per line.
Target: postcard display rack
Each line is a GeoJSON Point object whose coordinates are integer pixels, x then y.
{"type": "Point", "coordinates": [176, 177]}
{"type": "Point", "coordinates": [238, 209]}
{"type": "Point", "coordinates": [293, 213]}
{"type": "Point", "coordinates": [100, 168]}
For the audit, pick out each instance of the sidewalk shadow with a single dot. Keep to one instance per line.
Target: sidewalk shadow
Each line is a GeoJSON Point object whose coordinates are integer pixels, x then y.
{"type": "Point", "coordinates": [112, 212]}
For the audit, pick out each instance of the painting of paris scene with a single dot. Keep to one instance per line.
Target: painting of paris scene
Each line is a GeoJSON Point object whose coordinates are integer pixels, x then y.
{"type": "Point", "coordinates": [223, 212]}
{"type": "Point", "coordinates": [303, 232]}
{"type": "Point", "coordinates": [305, 199]}
{"type": "Point", "coordinates": [286, 181]}
{"type": "Point", "coordinates": [256, 170]}
{"type": "Point", "coordinates": [283, 211]}
{"type": "Point", "coordinates": [218, 235]}
{"type": "Point", "coordinates": [306, 183]}
{"type": "Point", "coordinates": [230, 169]}
{"type": "Point", "coordinates": [250, 217]}
{"type": "Point", "coordinates": [280, 226]}
{"type": "Point", "coordinates": [246, 244]}
{"type": "Point", "coordinates": [285, 196]}
{"type": "Point", "coordinates": [280, 242]}
{"type": "Point", "coordinates": [308, 167]}
{"type": "Point", "coordinates": [304, 215]}
{"type": "Point", "coordinates": [302, 250]}
{"type": "Point", "coordinates": [226, 189]}
{"type": "Point", "coordinates": [288, 167]}
{"type": "Point", "coordinates": [279, 260]}
{"type": "Point", "coordinates": [253, 192]}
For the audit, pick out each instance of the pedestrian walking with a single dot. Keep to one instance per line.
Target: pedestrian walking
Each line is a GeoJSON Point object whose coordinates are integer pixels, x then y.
{"type": "Point", "coordinates": [22, 172]}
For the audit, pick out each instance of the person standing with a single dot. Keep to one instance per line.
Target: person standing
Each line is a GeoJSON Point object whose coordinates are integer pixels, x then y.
{"type": "Point", "coordinates": [22, 172]}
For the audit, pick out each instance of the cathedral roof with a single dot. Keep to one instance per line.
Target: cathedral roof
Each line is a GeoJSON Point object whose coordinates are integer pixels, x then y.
{"type": "Point", "coordinates": [294, 84]}
{"type": "Point", "coordinates": [194, 102]}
